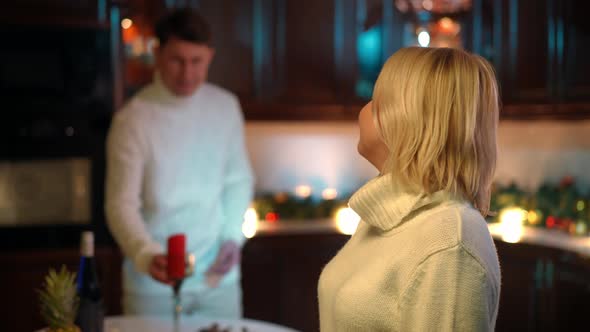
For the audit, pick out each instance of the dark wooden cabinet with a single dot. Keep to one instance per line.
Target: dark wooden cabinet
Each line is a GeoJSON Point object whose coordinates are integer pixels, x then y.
{"type": "Point", "coordinates": [232, 27]}
{"type": "Point", "coordinates": [280, 275]}
{"type": "Point", "coordinates": [543, 289]}
{"type": "Point", "coordinates": [530, 66]}
{"type": "Point", "coordinates": [537, 47]}
{"type": "Point", "coordinates": [313, 60]}
{"type": "Point", "coordinates": [316, 60]}
{"type": "Point", "coordinates": [521, 284]}
{"type": "Point", "coordinates": [569, 291]}
{"type": "Point", "coordinates": [575, 29]}
{"type": "Point", "coordinates": [63, 12]}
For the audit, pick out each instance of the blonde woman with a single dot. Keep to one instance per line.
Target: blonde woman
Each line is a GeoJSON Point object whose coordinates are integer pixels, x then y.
{"type": "Point", "coordinates": [422, 259]}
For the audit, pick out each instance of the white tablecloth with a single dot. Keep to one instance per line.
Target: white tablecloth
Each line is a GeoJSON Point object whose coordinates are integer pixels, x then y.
{"type": "Point", "coordinates": [187, 324]}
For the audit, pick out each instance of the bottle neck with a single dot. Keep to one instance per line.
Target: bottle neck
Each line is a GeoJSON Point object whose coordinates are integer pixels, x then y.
{"type": "Point", "coordinates": [87, 252]}
{"type": "Point", "coordinates": [88, 287]}
{"type": "Point", "coordinates": [88, 284]}
{"type": "Point", "coordinates": [87, 245]}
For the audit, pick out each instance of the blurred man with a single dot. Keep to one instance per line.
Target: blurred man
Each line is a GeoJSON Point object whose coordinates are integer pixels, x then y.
{"type": "Point", "coordinates": [177, 163]}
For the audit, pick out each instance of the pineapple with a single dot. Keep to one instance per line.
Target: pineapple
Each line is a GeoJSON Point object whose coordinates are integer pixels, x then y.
{"type": "Point", "coordinates": [59, 301]}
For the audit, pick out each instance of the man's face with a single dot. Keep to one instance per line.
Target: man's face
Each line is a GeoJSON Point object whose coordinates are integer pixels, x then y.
{"type": "Point", "coordinates": [183, 65]}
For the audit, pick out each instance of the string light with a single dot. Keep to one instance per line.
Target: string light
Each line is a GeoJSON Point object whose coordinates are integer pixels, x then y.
{"type": "Point", "coordinates": [424, 38]}
{"type": "Point", "coordinates": [303, 191]}
{"type": "Point", "coordinates": [126, 23]}
{"type": "Point", "coordinates": [250, 225]}
{"type": "Point", "coordinates": [329, 194]}
{"type": "Point", "coordinates": [511, 224]}
{"type": "Point", "coordinates": [347, 220]}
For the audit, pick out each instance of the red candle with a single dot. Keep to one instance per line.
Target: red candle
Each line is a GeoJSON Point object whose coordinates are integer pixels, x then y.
{"type": "Point", "coordinates": [176, 253]}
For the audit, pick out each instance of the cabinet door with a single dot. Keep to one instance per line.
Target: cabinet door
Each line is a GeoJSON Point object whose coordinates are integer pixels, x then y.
{"type": "Point", "coordinates": [274, 51]}
{"type": "Point", "coordinates": [574, 31]}
{"type": "Point", "coordinates": [571, 291]}
{"type": "Point", "coordinates": [232, 29]}
{"type": "Point", "coordinates": [78, 12]}
{"type": "Point", "coordinates": [543, 68]}
{"type": "Point", "coordinates": [280, 274]}
{"type": "Point", "coordinates": [255, 50]}
{"type": "Point", "coordinates": [529, 46]}
{"type": "Point", "coordinates": [293, 55]}
{"type": "Point", "coordinates": [520, 297]}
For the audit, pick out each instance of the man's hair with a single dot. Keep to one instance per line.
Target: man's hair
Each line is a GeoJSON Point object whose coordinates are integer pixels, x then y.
{"type": "Point", "coordinates": [437, 112]}
{"type": "Point", "coordinates": [185, 24]}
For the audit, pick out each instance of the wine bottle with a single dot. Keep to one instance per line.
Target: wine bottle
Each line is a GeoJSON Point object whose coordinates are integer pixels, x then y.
{"type": "Point", "coordinates": [90, 316]}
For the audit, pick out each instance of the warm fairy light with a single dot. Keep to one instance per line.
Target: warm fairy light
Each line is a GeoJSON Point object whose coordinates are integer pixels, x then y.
{"type": "Point", "coordinates": [580, 205]}
{"type": "Point", "coordinates": [581, 228]}
{"type": "Point", "coordinates": [329, 193]}
{"type": "Point", "coordinates": [427, 4]}
{"type": "Point", "coordinates": [250, 224]}
{"type": "Point", "coordinates": [511, 224]}
{"type": "Point", "coordinates": [126, 23]}
{"type": "Point", "coordinates": [446, 23]}
{"type": "Point", "coordinates": [533, 217]}
{"type": "Point", "coordinates": [347, 220]}
{"type": "Point", "coordinates": [424, 38]}
{"type": "Point", "coordinates": [303, 191]}
{"type": "Point", "coordinates": [271, 217]}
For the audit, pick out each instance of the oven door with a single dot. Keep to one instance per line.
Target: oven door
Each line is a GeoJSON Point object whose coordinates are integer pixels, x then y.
{"type": "Point", "coordinates": [45, 192]}
{"type": "Point", "coordinates": [52, 169]}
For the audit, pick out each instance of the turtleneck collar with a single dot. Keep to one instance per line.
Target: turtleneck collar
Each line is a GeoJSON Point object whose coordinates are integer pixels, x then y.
{"type": "Point", "coordinates": [158, 92]}
{"type": "Point", "coordinates": [384, 205]}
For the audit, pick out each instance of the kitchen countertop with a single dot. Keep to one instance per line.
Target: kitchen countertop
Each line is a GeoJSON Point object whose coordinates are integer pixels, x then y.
{"type": "Point", "coordinates": [529, 235]}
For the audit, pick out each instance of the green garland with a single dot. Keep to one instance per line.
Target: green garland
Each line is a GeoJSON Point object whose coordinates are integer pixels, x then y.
{"type": "Point", "coordinates": [559, 206]}
{"type": "Point", "coordinates": [554, 206]}
{"type": "Point", "coordinates": [272, 207]}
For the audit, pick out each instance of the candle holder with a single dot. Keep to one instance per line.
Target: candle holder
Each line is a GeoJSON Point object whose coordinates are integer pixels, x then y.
{"type": "Point", "coordinates": [189, 268]}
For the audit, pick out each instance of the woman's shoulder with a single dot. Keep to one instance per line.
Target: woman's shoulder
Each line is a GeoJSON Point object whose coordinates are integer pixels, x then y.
{"type": "Point", "coordinates": [458, 228]}
{"type": "Point", "coordinates": [474, 237]}
{"type": "Point", "coordinates": [452, 224]}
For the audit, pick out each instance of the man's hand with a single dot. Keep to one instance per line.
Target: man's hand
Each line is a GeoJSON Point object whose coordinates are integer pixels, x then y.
{"type": "Point", "coordinates": [158, 270]}
{"type": "Point", "coordinates": [228, 256]}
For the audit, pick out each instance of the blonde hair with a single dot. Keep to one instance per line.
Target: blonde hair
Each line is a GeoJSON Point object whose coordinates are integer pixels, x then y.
{"type": "Point", "coordinates": [437, 112]}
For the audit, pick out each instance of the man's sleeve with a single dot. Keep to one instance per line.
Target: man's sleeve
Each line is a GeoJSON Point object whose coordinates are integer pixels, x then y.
{"type": "Point", "coordinates": [126, 154]}
{"type": "Point", "coordinates": [238, 182]}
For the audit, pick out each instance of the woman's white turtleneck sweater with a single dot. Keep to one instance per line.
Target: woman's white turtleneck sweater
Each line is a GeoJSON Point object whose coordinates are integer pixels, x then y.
{"type": "Point", "coordinates": [176, 165]}
{"type": "Point", "coordinates": [415, 263]}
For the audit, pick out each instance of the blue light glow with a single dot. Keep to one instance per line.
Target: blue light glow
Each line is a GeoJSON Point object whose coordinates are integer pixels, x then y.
{"type": "Point", "coordinates": [369, 48]}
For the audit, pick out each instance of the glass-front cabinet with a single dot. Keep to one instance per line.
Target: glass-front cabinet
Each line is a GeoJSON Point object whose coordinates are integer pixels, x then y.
{"type": "Point", "coordinates": [311, 59]}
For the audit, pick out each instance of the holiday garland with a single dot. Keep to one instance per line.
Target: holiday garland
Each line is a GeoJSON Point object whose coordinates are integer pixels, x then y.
{"type": "Point", "coordinates": [272, 207]}
{"type": "Point", "coordinates": [554, 206]}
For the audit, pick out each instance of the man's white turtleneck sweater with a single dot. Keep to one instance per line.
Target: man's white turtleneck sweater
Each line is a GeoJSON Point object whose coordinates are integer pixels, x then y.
{"type": "Point", "coordinates": [415, 263]}
{"type": "Point", "coordinates": [176, 165]}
